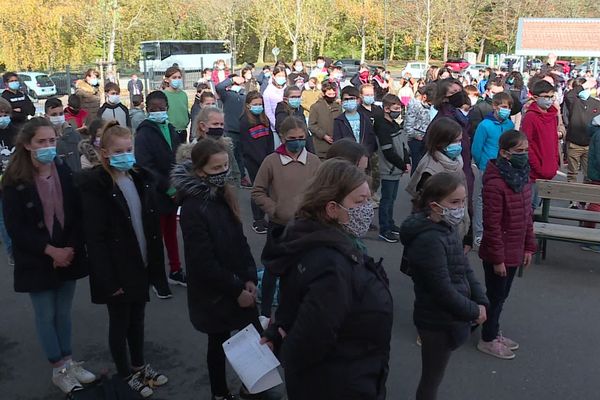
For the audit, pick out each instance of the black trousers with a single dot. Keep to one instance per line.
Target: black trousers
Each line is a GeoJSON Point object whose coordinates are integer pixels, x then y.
{"type": "Point", "coordinates": [126, 327]}
{"type": "Point", "coordinates": [215, 360]}
{"type": "Point", "coordinates": [498, 288]}
{"type": "Point", "coordinates": [269, 281]}
{"type": "Point", "coordinates": [436, 348]}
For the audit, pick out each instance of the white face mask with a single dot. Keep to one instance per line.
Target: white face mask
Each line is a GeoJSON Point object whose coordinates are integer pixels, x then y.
{"type": "Point", "coordinates": [57, 120]}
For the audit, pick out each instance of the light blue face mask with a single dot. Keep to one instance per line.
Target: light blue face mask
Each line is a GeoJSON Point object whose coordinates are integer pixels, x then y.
{"type": "Point", "coordinates": [280, 80]}
{"type": "Point", "coordinates": [350, 105]}
{"type": "Point", "coordinates": [295, 102]}
{"type": "Point", "coordinates": [453, 150]}
{"type": "Point", "coordinates": [504, 113]}
{"type": "Point", "coordinates": [122, 162]}
{"type": "Point", "coordinates": [176, 83]}
{"type": "Point", "coordinates": [4, 121]}
{"type": "Point", "coordinates": [94, 81]}
{"type": "Point", "coordinates": [584, 94]}
{"type": "Point", "coordinates": [46, 155]}
{"type": "Point", "coordinates": [368, 100]}
{"type": "Point", "coordinates": [257, 110]}
{"type": "Point", "coordinates": [158, 116]}
{"type": "Point", "coordinates": [16, 85]}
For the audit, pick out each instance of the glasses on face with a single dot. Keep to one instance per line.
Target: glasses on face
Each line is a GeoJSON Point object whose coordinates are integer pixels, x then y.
{"type": "Point", "coordinates": [549, 97]}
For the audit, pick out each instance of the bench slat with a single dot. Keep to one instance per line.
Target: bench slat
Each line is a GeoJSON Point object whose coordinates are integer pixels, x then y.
{"type": "Point", "coordinates": [578, 192]}
{"type": "Point", "coordinates": [570, 214]}
{"type": "Point", "coordinates": [566, 232]}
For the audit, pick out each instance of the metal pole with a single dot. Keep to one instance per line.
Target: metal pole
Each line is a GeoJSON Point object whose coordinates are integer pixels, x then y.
{"type": "Point", "coordinates": [145, 77]}
{"type": "Point", "coordinates": [385, 34]}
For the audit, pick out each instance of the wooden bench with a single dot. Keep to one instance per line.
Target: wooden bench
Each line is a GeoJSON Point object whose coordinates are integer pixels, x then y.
{"type": "Point", "coordinates": [576, 192]}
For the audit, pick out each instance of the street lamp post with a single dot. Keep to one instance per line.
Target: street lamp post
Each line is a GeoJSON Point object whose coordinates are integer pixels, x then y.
{"type": "Point", "coordinates": [385, 34]}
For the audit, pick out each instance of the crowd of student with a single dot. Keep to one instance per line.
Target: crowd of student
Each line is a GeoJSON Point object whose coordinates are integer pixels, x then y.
{"type": "Point", "coordinates": [96, 190]}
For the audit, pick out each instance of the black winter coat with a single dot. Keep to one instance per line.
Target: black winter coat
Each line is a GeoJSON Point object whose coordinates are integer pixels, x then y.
{"type": "Point", "coordinates": [342, 129]}
{"type": "Point", "coordinates": [447, 294]}
{"type": "Point", "coordinates": [580, 112]}
{"type": "Point", "coordinates": [217, 255]}
{"type": "Point", "coordinates": [153, 153]}
{"type": "Point", "coordinates": [115, 258]}
{"type": "Point", "coordinates": [257, 144]}
{"type": "Point", "coordinates": [337, 310]}
{"type": "Point", "coordinates": [282, 111]}
{"type": "Point", "coordinates": [24, 219]}
{"type": "Point", "coordinates": [233, 104]}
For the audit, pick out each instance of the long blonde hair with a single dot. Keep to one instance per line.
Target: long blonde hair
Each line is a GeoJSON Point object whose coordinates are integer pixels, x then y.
{"type": "Point", "coordinates": [110, 131]}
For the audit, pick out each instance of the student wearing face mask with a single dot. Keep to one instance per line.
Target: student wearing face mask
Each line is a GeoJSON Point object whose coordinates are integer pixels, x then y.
{"type": "Point", "coordinates": [448, 297]}
{"type": "Point", "coordinates": [292, 105]}
{"type": "Point", "coordinates": [21, 104]}
{"type": "Point", "coordinates": [321, 117]}
{"type": "Point", "coordinates": [220, 72]}
{"type": "Point", "coordinates": [416, 122]}
{"type": "Point", "coordinates": [233, 95]}
{"type": "Point", "coordinates": [221, 270]}
{"type": "Point", "coordinates": [273, 95]}
{"type": "Point", "coordinates": [120, 217]}
{"type": "Point", "coordinates": [320, 70]}
{"type": "Point", "coordinates": [393, 163]}
{"type": "Point", "coordinates": [352, 124]}
{"type": "Point", "coordinates": [113, 109]}
{"type": "Point", "coordinates": [67, 143]}
{"type": "Point", "coordinates": [264, 78]}
{"type": "Point", "coordinates": [508, 238]}
{"type": "Point", "coordinates": [298, 77]}
{"type": "Point", "coordinates": [250, 82]}
{"type": "Point", "coordinates": [540, 124]}
{"type": "Point", "coordinates": [8, 136]}
{"type": "Point", "coordinates": [279, 183]}
{"type": "Point", "coordinates": [156, 143]}
{"type": "Point", "coordinates": [485, 107]}
{"type": "Point", "coordinates": [333, 327]}
{"type": "Point", "coordinates": [204, 98]}
{"type": "Point", "coordinates": [362, 77]}
{"type": "Point", "coordinates": [582, 108]}
{"type": "Point", "coordinates": [443, 154]}
{"type": "Point", "coordinates": [88, 90]}
{"type": "Point", "coordinates": [42, 212]}
{"type": "Point", "coordinates": [178, 113]}
{"type": "Point", "coordinates": [310, 95]}
{"type": "Point", "coordinates": [485, 148]}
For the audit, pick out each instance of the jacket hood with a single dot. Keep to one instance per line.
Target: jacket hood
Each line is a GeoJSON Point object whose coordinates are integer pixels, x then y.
{"type": "Point", "coordinates": [493, 118]}
{"type": "Point", "coordinates": [290, 243]}
{"type": "Point", "coordinates": [135, 111]}
{"type": "Point", "coordinates": [188, 184]}
{"type": "Point", "coordinates": [548, 115]}
{"type": "Point", "coordinates": [416, 224]}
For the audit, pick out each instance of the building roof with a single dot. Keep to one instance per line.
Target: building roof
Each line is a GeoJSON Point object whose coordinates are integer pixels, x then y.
{"type": "Point", "coordinates": [572, 37]}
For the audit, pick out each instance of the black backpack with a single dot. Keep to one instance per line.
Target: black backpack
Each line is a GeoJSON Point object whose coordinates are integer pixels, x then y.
{"type": "Point", "coordinates": [105, 388]}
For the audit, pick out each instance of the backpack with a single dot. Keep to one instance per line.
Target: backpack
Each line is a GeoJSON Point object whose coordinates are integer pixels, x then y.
{"type": "Point", "coordinates": [105, 388]}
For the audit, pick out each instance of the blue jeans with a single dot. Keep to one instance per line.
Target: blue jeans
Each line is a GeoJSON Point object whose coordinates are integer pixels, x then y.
{"type": "Point", "coordinates": [53, 320]}
{"type": "Point", "coordinates": [417, 151]}
{"type": "Point", "coordinates": [536, 201]}
{"type": "Point", "coordinates": [3, 233]}
{"type": "Point", "coordinates": [389, 191]}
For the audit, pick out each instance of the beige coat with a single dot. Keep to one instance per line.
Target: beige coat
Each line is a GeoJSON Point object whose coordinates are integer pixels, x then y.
{"type": "Point", "coordinates": [320, 123]}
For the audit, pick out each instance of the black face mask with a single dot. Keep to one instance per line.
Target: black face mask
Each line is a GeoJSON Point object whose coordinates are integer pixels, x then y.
{"type": "Point", "coordinates": [458, 99]}
{"type": "Point", "coordinates": [215, 133]}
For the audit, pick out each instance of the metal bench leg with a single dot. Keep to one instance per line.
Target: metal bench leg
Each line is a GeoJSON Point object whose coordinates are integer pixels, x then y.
{"type": "Point", "coordinates": [538, 253]}
{"type": "Point", "coordinates": [545, 248]}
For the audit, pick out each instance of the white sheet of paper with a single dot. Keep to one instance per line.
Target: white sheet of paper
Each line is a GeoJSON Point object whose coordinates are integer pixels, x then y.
{"type": "Point", "coordinates": [255, 364]}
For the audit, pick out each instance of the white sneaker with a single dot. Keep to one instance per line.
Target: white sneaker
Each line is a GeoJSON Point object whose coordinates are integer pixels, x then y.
{"type": "Point", "coordinates": [66, 382]}
{"type": "Point", "coordinates": [75, 369]}
{"type": "Point", "coordinates": [136, 382]}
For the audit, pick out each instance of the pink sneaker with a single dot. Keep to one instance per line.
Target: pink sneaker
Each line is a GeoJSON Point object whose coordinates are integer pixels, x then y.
{"type": "Point", "coordinates": [495, 348]}
{"type": "Point", "coordinates": [511, 344]}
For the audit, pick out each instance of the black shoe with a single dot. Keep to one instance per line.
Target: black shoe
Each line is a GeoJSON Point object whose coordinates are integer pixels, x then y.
{"type": "Point", "coordinates": [162, 293]}
{"type": "Point", "coordinates": [177, 278]}
{"type": "Point", "coordinates": [260, 227]}
{"type": "Point", "coordinates": [395, 229]}
{"type": "Point", "coordinates": [389, 237]}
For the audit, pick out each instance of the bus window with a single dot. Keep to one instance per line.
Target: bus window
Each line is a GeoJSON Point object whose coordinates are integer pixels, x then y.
{"type": "Point", "coordinates": [149, 51]}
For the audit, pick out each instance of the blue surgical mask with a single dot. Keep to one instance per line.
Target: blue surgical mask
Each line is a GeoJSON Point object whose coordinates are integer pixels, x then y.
{"type": "Point", "coordinates": [453, 150]}
{"type": "Point", "coordinates": [584, 94]}
{"type": "Point", "coordinates": [122, 162]}
{"type": "Point", "coordinates": [295, 146]}
{"type": "Point", "coordinates": [510, 81]}
{"type": "Point", "coordinates": [16, 85]}
{"type": "Point", "coordinates": [295, 102]}
{"type": "Point", "coordinates": [257, 110]}
{"type": "Point", "coordinates": [544, 103]}
{"type": "Point", "coordinates": [158, 116]}
{"type": "Point", "coordinates": [4, 121]}
{"type": "Point", "coordinates": [46, 155]}
{"type": "Point", "coordinates": [350, 105]}
{"type": "Point", "coordinates": [280, 80]}
{"type": "Point", "coordinates": [114, 98]}
{"type": "Point", "coordinates": [368, 100]}
{"type": "Point", "coordinates": [504, 113]}
{"type": "Point", "coordinates": [176, 83]}
{"type": "Point", "coordinates": [94, 81]}
{"type": "Point", "coordinates": [267, 74]}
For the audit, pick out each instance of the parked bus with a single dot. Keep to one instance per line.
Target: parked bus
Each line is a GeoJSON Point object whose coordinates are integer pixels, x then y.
{"type": "Point", "coordinates": [158, 55]}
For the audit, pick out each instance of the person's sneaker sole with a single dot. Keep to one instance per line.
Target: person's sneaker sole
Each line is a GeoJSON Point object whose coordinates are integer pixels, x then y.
{"type": "Point", "coordinates": [382, 237]}
{"type": "Point", "coordinates": [175, 282]}
{"type": "Point", "coordinates": [491, 353]}
{"type": "Point", "coordinates": [161, 296]}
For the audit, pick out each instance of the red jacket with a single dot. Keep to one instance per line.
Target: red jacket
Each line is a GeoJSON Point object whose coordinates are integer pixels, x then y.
{"type": "Point", "coordinates": [79, 118]}
{"type": "Point", "coordinates": [507, 221]}
{"type": "Point", "coordinates": [215, 75]}
{"type": "Point", "coordinates": [541, 129]}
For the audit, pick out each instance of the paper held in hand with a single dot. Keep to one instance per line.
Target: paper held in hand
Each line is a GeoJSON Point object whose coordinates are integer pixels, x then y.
{"type": "Point", "coordinates": [255, 364]}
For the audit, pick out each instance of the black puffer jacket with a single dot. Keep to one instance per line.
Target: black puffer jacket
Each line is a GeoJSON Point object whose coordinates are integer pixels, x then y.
{"type": "Point", "coordinates": [217, 255]}
{"type": "Point", "coordinates": [336, 308]}
{"type": "Point", "coordinates": [24, 219]}
{"type": "Point", "coordinates": [447, 294]}
{"type": "Point", "coordinates": [115, 258]}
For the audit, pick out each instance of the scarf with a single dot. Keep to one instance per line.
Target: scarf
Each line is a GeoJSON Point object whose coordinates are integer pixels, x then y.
{"type": "Point", "coordinates": [515, 178]}
{"type": "Point", "coordinates": [50, 192]}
